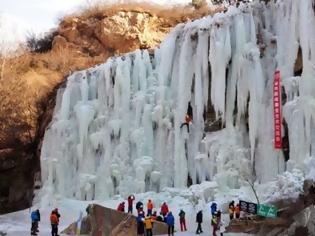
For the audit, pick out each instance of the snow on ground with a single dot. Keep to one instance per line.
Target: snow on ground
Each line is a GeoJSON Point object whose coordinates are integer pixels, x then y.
{"type": "Point", "coordinates": [191, 200]}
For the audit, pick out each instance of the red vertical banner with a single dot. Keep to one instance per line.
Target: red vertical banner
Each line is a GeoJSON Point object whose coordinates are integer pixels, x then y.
{"type": "Point", "coordinates": [277, 110]}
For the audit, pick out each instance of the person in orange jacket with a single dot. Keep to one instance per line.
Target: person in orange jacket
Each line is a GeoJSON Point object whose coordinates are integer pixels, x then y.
{"type": "Point", "coordinates": [188, 117]}
{"type": "Point", "coordinates": [150, 207]}
{"type": "Point", "coordinates": [54, 221]}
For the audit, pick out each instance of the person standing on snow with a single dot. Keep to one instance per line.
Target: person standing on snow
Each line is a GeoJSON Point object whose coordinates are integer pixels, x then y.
{"type": "Point", "coordinates": [121, 207]}
{"type": "Point", "coordinates": [237, 211]}
{"type": "Point", "coordinates": [148, 223]}
{"type": "Point", "coordinates": [35, 216]}
{"type": "Point", "coordinates": [213, 208]}
{"type": "Point", "coordinates": [164, 209]}
{"type": "Point", "coordinates": [222, 227]}
{"type": "Point", "coordinates": [139, 206]}
{"type": "Point", "coordinates": [182, 220]}
{"type": "Point", "coordinates": [214, 224]}
{"type": "Point", "coordinates": [231, 210]}
{"type": "Point", "coordinates": [199, 221]}
{"type": "Point", "coordinates": [170, 221]}
{"type": "Point", "coordinates": [131, 198]}
{"type": "Point", "coordinates": [54, 220]}
{"type": "Point", "coordinates": [150, 207]}
{"type": "Point", "coordinates": [140, 225]}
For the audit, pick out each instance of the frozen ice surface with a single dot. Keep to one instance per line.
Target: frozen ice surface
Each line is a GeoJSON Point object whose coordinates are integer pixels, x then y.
{"type": "Point", "coordinates": [116, 126]}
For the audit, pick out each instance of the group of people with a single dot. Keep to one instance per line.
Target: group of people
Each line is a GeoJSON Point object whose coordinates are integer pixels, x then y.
{"type": "Point", "coordinates": [217, 222]}
{"type": "Point", "coordinates": [54, 221]}
{"type": "Point", "coordinates": [234, 211]}
{"type": "Point", "coordinates": [145, 222]}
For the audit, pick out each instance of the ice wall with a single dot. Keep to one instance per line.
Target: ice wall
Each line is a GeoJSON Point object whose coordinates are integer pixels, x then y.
{"type": "Point", "coordinates": [117, 128]}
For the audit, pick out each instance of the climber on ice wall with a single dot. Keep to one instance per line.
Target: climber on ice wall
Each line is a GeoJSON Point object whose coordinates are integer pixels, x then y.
{"type": "Point", "coordinates": [188, 117]}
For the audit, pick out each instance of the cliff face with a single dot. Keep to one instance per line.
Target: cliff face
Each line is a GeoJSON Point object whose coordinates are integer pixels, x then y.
{"type": "Point", "coordinates": [29, 81]}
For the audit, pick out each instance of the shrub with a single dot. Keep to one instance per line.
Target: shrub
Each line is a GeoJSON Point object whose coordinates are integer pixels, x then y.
{"type": "Point", "coordinates": [198, 3]}
{"type": "Point", "coordinates": [40, 44]}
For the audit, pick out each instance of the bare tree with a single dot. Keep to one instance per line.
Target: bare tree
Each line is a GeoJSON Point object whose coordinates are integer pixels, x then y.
{"type": "Point", "coordinates": [250, 179]}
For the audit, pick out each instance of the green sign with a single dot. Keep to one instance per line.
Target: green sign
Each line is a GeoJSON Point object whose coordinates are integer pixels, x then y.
{"type": "Point", "coordinates": [267, 211]}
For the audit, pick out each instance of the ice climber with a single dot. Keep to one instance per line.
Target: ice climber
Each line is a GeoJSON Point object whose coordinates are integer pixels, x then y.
{"type": "Point", "coordinates": [164, 209]}
{"type": "Point", "coordinates": [213, 208]}
{"type": "Point", "coordinates": [35, 216]}
{"type": "Point", "coordinates": [182, 220]}
{"type": "Point", "coordinates": [187, 121]}
{"type": "Point", "coordinates": [188, 117]}
{"type": "Point", "coordinates": [131, 198]}
{"type": "Point", "coordinates": [54, 220]}
{"type": "Point", "coordinates": [148, 223]}
{"type": "Point", "coordinates": [150, 207]}
{"type": "Point", "coordinates": [170, 221]}
{"type": "Point", "coordinates": [231, 210]}
{"type": "Point", "coordinates": [199, 222]}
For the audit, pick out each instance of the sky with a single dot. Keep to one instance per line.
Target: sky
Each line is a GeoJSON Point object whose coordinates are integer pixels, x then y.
{"type": "Point", "coordinates": [38, 15]}
{"type": "Point", "coordinates": [19, 18]}
{"type": "Point", "coordinates": [41, 15]}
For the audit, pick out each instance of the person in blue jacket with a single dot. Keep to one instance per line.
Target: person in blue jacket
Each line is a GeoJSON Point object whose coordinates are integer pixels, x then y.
{"type": "Point", "coordinates": [35, 217]}
{"type": "Point", "coordinates": [213, 209]}
{"type": "Point", "coordinates": [170, 221]}
{"type": "Point", "coordinates": [140, 225]}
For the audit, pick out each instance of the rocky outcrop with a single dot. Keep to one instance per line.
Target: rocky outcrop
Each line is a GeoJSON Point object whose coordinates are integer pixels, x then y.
{"type": "Point", "coordinates": [17, 171]}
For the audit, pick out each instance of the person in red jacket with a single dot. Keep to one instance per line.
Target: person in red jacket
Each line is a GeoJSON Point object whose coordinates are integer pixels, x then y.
{"type": "Point", "coordinates": [164, 209]}
{"type": "Point", "coordinates": [121, 207]}
{"type": "Point", "coordinates": [131, 198]}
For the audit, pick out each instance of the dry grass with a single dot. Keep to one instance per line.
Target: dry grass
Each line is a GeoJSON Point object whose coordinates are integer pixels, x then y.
{"type": "Point", "coordinates": [101, 10]}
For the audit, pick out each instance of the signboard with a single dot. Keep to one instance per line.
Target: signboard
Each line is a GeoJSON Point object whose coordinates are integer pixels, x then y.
{"type": "Point", "coordinates": [277, 110]}
{"type": "Point", "coordinates": [248, 207]}
{"type": "Point", "coordinates": [267, 211]}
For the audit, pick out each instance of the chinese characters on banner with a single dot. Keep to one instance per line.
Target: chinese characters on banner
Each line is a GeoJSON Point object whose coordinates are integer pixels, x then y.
{"type": "Point", "coordinates": [277, 110]}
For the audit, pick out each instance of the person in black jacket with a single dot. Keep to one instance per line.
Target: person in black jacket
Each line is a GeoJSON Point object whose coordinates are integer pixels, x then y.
{"type": "Point", "coordinates": [139, 206]}
{"type": "Point", "coordinates": [199, 221]}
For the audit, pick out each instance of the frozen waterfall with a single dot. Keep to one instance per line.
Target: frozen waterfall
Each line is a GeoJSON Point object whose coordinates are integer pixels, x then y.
{"type": "Point", "coordinates": [116, 127]}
